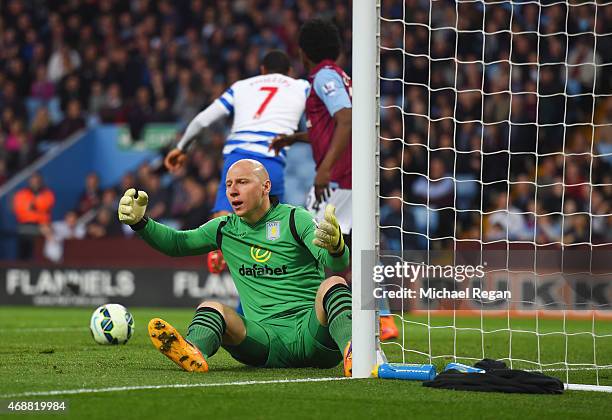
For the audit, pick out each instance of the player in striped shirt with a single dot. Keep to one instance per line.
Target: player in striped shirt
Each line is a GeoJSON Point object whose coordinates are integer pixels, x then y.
{"type": "Point", "coordinates": [262, 107]}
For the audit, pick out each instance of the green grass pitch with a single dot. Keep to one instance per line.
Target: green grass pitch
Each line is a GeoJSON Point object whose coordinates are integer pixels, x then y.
{"type": "Point", "coordinates": [50, 349]}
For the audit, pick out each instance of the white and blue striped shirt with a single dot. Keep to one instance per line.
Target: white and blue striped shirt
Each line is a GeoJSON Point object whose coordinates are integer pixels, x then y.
{"type": "Point", "coordinates": [262, 107]}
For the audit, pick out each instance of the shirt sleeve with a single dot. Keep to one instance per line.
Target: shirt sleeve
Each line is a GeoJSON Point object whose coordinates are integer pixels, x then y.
{"type": "Point", "coordinates": [305, 225]}
{"type": "Point", "coordinates": [227, 99]}
{"type": "Point", "coordinates": [180, 243]}
{"type": "Point", "coordinates": [329, 87]}
{"type": "Point", "coordinates": [221, 107]}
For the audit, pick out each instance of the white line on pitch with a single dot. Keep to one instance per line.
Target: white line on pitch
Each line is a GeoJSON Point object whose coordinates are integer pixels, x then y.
{"type": "Point", "coordinates": [581, 387]}
{"type": "Point", "coordinates": [576, 369]}
{"type": "Point", "coordinates": [42, 329]}
{"type": "Point", "coordinates": [165, 386]}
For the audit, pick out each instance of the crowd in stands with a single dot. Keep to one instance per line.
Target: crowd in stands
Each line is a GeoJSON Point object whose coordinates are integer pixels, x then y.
{"type": "Point", "coordinates": [66, 65]}
{"type": "Point", "coordinates": [495, 151]}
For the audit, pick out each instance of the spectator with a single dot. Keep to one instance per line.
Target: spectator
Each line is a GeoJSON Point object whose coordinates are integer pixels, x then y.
{"type": "Point", "coordinates": [57, 232]}
{"type": "Point", "coordinates": [18, 146]}
{"type": "Point", "coordinates": [73, 122]}
{"type": "Point", "coordinates": [522, 192]}
{"type": "Point", "coordinates": [600, 209]}
{"type": "Point", "coordinates": [140, 112]}
{"type": "Point", "coordinates": [110, 199]}
{"type": "Point", "coordinates": [42, 127]}
{"type": "Point", "coordinates": [211, 191]}
{"type": "Point", "coordinates": [13, 102]}
{"type": "Point", "coordinates": [105, 224]}
{"type": "Point", "coordinates": [70, 89]}
{"type": "Point", "coordinates": [112, 109]}
{"type": "Point", "coordinates": [576, 229]}
{"type": "Point", "coordinates": [32, 206]}
{"type": "Point", "coordinates": [576, 186]}
{"type": "Point", "coordinates": [42, 88]}
{"type": "Point", "coordinates": [91, 197]}
{"type": "Point", "coordinates": [158, 196]}
{"type": "Point", "coordinates": [63, 61]}
{"type": "Point", "coordinates": [163, 113]}
{"type": "Point", "coordinates": [179, 198]}
{"type": "Point", "coordinates": [204, 166]}
{"type": "Point", "coordinates": [506, 222]}
{"type": "Point", "coordinates": [196, 208]}
{"type": "Point", "coordinates": [395, 221]}
{"type": "Point", "coordinates": [142, 175]}
{"type": "Point", "coordinates": [548, 230]}
{"type": "Point", "coordinates": [438, 191]}
{"type": "Point", "coordinates": [582, 74]}
{"type": "Point", "coordinates": [128, 180]}
{"type": "Point", "coordinates": [188, 101]}
{"type": "Point", "coordinates": [96, 98]}
{"type": "Point", "coordinates": [3, 171]}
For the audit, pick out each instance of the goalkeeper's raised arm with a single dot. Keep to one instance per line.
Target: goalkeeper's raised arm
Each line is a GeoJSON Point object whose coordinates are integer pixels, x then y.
{"type": "Point", "coordinates": [132, 207]}
{"type": "Point", "coordinates": [276, 254]}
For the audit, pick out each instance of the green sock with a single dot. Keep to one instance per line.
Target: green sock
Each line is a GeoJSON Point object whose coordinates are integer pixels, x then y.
{"type": "Point", "coordinates": [206, 330]}
{"type": "Point", "coordinates": [337, 304]}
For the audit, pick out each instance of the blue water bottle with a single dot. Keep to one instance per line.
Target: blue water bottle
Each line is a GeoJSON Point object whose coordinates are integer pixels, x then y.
{"type": "Point", "coordinates": [463, 368]}
{"type": "Point", "coordinates": [405, 371]}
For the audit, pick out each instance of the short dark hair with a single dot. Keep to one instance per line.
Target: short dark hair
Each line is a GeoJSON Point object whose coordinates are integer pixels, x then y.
{"type": "Point", "coordinates": [320, 40]}
{"type": "Point", "coordinates": [276, 61]}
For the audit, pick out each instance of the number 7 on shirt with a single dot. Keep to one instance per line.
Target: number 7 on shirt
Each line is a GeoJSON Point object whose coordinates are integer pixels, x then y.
{"type": "Point", "coordinates": [271, 92]}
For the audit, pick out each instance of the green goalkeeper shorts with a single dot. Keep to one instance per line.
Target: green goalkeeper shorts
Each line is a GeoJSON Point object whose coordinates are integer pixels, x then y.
{"type": "Point", "coordinates": [304, 342]}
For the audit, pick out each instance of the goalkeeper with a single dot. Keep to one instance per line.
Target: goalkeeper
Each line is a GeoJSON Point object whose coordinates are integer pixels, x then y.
{"type": "Point", "coordinates": [293, 316]}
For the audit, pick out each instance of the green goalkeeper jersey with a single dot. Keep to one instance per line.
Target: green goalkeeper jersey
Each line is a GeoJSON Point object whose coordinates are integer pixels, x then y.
{"type": "Point", "coordinates": [275, 266]}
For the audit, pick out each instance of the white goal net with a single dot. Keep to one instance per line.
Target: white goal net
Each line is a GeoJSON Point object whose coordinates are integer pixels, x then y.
{"type": "Point", "coordinates": [495, 134]}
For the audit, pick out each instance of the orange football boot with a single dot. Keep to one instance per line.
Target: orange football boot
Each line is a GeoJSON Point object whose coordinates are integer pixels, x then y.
{"type": "Point", "coordinates": [171, 343]}
{"type": "Point", "coordinates": [348, 359]}
{"type": "Point", "coordinates": [388, 329]}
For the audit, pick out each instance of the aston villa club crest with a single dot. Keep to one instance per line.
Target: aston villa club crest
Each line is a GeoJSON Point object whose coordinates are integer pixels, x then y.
{"type": "Point", "coordinates": [273, 230]}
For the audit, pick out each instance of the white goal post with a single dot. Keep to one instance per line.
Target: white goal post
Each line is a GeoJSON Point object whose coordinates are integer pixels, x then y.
{"type": "Point", "coordinates": [365, 167]}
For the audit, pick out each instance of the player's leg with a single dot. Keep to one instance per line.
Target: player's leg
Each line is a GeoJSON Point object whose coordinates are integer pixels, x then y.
{"type": "Point", "coordinates": [216, 325]}
{"type": "Point", "coordinates": [212, 325]}
{"type": "Point", "coordinates": [333, 310]}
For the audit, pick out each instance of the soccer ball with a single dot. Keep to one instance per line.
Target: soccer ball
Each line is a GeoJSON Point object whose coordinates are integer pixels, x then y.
{"type": "Point", "coordinates": [111, 324]}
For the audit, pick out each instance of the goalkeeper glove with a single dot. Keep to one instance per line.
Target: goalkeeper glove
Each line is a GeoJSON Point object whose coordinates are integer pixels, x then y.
{"type": "Point", "coordinates": [328, 234]}
{"type": "Point", "coordinates": [132, 206]}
